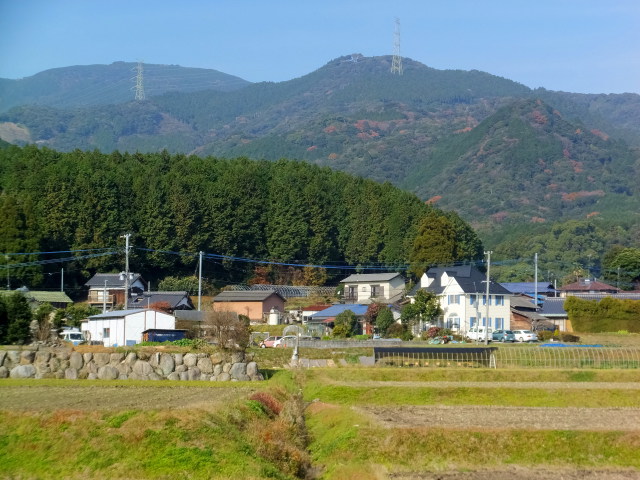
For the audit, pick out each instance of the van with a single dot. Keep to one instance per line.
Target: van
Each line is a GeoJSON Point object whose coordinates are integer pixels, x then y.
{"type": "Point", "coordinates": [72, 335]}
{"type": "Point", "coordinates": [479, 334]}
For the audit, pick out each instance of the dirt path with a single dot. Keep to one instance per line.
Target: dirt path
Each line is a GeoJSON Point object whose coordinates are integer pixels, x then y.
{"type": "Point", "coordinates": [521, 385]}
{"type": "Point", "coordinates": [530, 418]}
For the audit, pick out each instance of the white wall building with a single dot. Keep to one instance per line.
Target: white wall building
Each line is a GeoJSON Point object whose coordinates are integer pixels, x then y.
{"type": "Point", "coordinates": [462, 294]}
{"type": "Point", "coordinates": [124, 327]}
{"type": "Point", "coordinates": [373, 287]}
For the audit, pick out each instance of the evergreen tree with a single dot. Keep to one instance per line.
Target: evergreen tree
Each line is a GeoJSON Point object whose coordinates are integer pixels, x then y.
{"type": "Point", "coordinates": [19, 319]}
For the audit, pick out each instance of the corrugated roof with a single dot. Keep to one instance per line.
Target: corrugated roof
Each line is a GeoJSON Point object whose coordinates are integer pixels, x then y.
{"type": "Point", "coordinates": [120, 314]}
{"type": "Point", "coordinates": [48, 297]}
{"type": "Point", "coordinates": [335, 310]}
{"type": "Point", "coordinates": [370, 277]}
{"type": "Point", "coordinates": [528, 287]}
{"type": "Point", "coordinates": [245, 296]}
{"type": "Point", "coordinates": [553, 307]}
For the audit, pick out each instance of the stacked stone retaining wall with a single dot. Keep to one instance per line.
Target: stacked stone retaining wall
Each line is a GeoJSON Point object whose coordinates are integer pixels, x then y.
{"type": "Point", "coordinates": [72, 365]}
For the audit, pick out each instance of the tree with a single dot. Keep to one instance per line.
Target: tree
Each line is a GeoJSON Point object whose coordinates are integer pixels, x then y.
{"type": "Point", "coordinates": [228, 330]}
{"type": "Point", "coordinates": [435, 244]}
{"type": "Point", "coordinates": [19, 319]}
{"type": "Point", "coordinates": [4, 319]}
{"type": "Point", "coordinates": [624, 268]}
{"type": "Point", "coordinates": [425, 307]}
{"type": "Point", "coordinates": [179, 284]}
{"type": "Point", "coordinates": [384, 320]}
{"type": "Point", "coordinates": [73, 315]}
{"type": "Point", "coordinates": [346, 323]}
{"type": "Point", "coordinates": [43, 318]}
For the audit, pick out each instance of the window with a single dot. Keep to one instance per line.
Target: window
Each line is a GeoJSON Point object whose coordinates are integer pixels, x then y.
{"type": "Point", "coordinates": [105, 332]}
{"type": "Point", "coordinates": [472, 299]}
{"type": "Point", "coordinates": [499, 323]}
{"type": "Point", "coordinates": [484, 321]}
{"type": "Point", "coordinates": [472, 322]}
{"type": "Point", "coordinates": [499, 299]}
{"type": "Point", "coordinates": [484, 299]}
{"type": "Point", "coordinates": [377, 291]}
{"type": "Point", "coordinates": [453, 299]}
{"type": "Point", "coordinates": [452, 322]}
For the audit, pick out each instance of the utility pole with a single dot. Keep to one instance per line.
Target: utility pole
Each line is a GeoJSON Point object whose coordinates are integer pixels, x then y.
{"type": "Point", "coordinates": [126, 270]}
{"type": "Point", "coordinates": [6, 257]}
{"type": "Point", "coordinates": [535, 280]}
{"type": "Point", "coordinates": [62, 280]}
{"type": "Point", "coordinates": [200, 282]}
{"type": "Point", "coordinates": [486, 328]}
{"type": "Point", "coordinates": [104, 298]}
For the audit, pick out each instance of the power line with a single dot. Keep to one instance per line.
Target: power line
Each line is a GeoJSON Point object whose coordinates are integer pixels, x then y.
{"type": "Point", "coordinates": [56, 260]}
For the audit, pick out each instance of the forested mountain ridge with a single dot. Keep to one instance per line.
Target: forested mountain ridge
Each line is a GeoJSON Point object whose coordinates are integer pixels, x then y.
{"type": "Point", "coordinates": [428, 131]}
{"type": "Point", "coordinates": [69, 87]}
{"type": "Point", "coordinates": [283, 211]}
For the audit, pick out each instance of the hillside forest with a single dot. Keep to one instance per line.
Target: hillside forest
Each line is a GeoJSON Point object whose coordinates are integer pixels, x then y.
{"type": "Point", "coordinates": [257, 221]}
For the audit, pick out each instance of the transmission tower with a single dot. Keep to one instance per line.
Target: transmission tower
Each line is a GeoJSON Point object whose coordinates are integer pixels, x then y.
{"type": "Point", "coordinates": [139, 88]}
{"type": "Point", "coordinates": [396, 63]}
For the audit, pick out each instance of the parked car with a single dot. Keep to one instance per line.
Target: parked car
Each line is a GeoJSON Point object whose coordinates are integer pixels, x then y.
{"type": "Point", "coordinates": [289, 340]}
{"type": "Point", "coordinates": [504, 336]}
{"type": "Point", "coordinates": [525, 336]}
{"type": "Point", "coordinates": [72, 335]}
{"type": "Point", "coordinates": [269, 342]}
{"type": "Point", "coordinates": [478, 334]}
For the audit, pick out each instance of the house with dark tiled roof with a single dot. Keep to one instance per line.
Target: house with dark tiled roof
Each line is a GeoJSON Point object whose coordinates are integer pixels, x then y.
{"type": "Point", "coordinates": [255, 304]}
{"type": "Point", "coordinates": [553, 310]}
{"type": "Point", "coordinates": [585, 286]}
{"type": "Point", "coordinates": [108, 289]}
{"type": "Point", "coordinates": [367, 288]}
{"type": "Point", "coordinates": [462, 292]}
{"type": "Point", "coordinates": [172, 300]}
{"type": "Point", "coordinates": [526, 316]}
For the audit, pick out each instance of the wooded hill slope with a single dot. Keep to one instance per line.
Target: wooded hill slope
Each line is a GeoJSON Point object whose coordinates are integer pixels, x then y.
{"type": "Point", "coordinates": [244, 211]}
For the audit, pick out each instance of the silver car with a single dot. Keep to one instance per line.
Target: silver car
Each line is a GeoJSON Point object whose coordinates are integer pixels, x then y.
{"type": "Point", "coordinates": [504, 336]}
{"type": "Point", "coordinates": [525, 336]}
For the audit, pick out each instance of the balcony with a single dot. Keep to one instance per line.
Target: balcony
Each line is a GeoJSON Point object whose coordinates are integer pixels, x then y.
{"type": "Point", "coordinates": [98, 298]}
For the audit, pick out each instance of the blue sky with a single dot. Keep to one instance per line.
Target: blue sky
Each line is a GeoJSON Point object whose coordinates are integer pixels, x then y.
{"type": "Point", "coordinates": [587, 46]}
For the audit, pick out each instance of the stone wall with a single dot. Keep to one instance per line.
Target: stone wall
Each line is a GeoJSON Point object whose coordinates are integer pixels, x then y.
{"type": "Point", "coordinates": [72, 365]}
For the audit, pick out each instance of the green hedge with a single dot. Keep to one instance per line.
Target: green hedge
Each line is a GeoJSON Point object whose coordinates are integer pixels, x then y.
{"type": "Point", "coordinates": [606, 315]}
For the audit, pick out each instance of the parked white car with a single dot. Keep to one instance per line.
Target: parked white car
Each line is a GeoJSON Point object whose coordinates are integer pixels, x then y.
{"type": "Point", "coordinates": [525, 336]}
{"type": "Point", "coordinates": [479, 334]}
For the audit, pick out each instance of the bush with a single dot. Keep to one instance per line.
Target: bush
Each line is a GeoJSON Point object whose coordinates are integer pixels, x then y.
{"type": "Point", "coordinates": [568, 337]}
{"type": "Point", "coordinates": [271, 405]}
{"type": "Point", "coordinates": [545, 335]}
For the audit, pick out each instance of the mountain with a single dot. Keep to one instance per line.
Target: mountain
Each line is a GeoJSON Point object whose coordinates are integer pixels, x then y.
{"type": "Point", "coordinates": [526, 163]}
{"type": "Point", "coordinates": [105, 84]}
{"type": "Point", "coordinates": [492, 149]}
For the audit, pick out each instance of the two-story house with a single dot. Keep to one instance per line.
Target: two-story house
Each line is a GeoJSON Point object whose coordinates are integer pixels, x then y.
{"type": "Point", "coordinates": [108, 289]}
{"type": "Point", "coordinates": [462, 292]}
{"type": "Point", "coordinates": [373, 287]}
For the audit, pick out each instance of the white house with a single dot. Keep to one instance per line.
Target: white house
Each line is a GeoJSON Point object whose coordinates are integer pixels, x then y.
{"type": "Point", "coordinates": [373, 287]}
{"type": "Point", "coordinates": [125, 327]}
{"type": "Point", "coordinates": [463, 299]}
